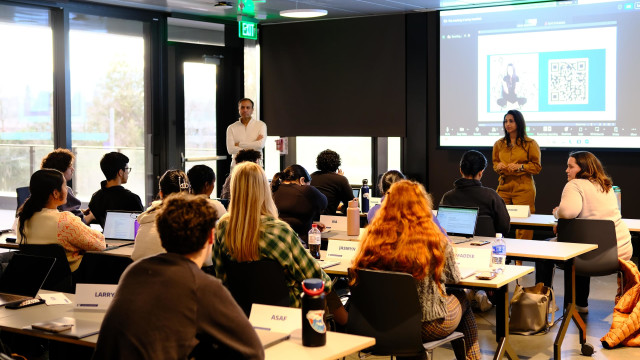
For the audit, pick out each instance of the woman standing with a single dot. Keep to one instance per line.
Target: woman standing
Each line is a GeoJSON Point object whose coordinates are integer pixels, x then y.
{"type": "Point", "coordinates": [41, 223]}
{"type": "Point", "coordinates": [403, 237]}
{"type": "Point", "coordinates": [298, 202]}
{"type": "Point", "coordinates": [516, 158]}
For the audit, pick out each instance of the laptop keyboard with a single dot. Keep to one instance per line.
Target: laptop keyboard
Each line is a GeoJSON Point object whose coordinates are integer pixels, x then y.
{"type": "Point", "coordinates": [459, 239]}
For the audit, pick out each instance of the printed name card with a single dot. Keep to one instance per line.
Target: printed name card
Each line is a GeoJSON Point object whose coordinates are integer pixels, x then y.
{"type": "Point", "coordinates": [94, 296]}
{"type": "Point", "coordinates": [336, 223]}
{"type": "Point", "coordinates": [473, 257]}
{"type": "Point", "coordinates": [519, 211]}
{"type": "Point", "coordinates": [342, 249]}
{"type": "Point", "coordinates": [275, 318]}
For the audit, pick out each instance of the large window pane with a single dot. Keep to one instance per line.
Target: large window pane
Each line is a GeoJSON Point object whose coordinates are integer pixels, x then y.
{"type": "Point", "coordinates": [355, 153]}
{"type": "Point", "coordinates": [394, 160]}
{"type": "Point", "coordinates": [272, 157]}
{"type": "Point", "coordinates": [26, 88]}
{"type": "Point", "coordinates": [107, 98]}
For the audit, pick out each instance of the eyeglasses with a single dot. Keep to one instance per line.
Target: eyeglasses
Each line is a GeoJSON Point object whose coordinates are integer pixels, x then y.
{"type": "Point", "coordinates": [128, 170]}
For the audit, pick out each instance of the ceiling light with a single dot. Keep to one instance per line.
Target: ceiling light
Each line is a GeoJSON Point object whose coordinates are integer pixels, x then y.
{"type": "Point", "coordinates": [303, 13]}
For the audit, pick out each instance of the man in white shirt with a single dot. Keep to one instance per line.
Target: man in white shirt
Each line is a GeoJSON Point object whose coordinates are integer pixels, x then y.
{"type": "Point", "coordinates": [247, 132]}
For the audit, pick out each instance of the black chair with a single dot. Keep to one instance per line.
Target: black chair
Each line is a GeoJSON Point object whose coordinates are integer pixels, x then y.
{"type": "Point", "coordinates": [261, 282]}
{"type": "Point", "coordinates": [484, 226]}
{"type": "Point", "coordinates": [385, 305]}
{"type": "Point", "coordinates": [60, 277]}
{"type": "Point", "coordinates": [601, 261]}
{"type": "Point", "coordinates": [101, 268]}
{"type": "Point", "coordinates": [22, 193]}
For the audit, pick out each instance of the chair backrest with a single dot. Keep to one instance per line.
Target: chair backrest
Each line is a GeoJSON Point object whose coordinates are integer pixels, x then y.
{"type": "Point", "coordinates": [484, 226]}
{"type": "Point", "coordinates": [22, 193]}
{"type": "Point", "coordinates": [102, 268]}
{"type": "Point", "coordinates": [60, 278]}
{"type": "Point", "coordinates": [601, 261]}
{"type": "Point", "coordinates": [385, 305]}
{"type": "Point", "coordinates": [261, 282]}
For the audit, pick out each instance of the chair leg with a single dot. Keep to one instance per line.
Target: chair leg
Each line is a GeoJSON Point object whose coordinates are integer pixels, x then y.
{"type": "Point", "coordinates": [459, 349]}
{"type": "Point", "coordinates": [429, 354]}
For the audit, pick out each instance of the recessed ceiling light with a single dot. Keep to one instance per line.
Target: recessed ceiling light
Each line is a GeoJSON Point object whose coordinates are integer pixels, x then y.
{"type": "Point", "coordinates": [303, 13]}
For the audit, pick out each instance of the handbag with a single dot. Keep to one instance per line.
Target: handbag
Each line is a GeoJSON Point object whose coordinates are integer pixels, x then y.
{"type": "Point", "coordinates": [532, 309]}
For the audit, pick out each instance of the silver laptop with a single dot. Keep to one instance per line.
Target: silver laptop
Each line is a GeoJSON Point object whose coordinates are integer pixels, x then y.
{"type": "Point", "coordinates": [458, 221]}
{"type": "Point", "coordinates": [23, 277]}
{"type": "Point", "coordinates": [121, 225]}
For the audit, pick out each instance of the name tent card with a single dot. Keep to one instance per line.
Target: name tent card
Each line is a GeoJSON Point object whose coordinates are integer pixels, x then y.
{"type": "Point", "coordinates": [473, 257]}
{"type": "Point", "coordinates": [342, 249]}
{"type": "Point", "coordinates": [275, 318]}
{"type": "Point", "coordinates": [519, 211]}
{"type": "Point", "coordinates": [336, 223]}
{"type": "Point", "coordinates": [94, 296]}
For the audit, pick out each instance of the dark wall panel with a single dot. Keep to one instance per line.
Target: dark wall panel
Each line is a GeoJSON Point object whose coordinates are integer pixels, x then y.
{"type": "Point", "coordinates": [334, 77]}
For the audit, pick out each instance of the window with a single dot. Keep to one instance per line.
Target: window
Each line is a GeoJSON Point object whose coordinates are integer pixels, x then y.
{"type": "Point", "coordinates": [26, 93]}
{"type": "Point", "coordinates": [107, 98]}
{"type": "Point", "coordinates": [355, 153]}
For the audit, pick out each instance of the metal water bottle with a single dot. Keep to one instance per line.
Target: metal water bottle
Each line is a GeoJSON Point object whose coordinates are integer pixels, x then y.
{"type": "Point", "coordinates": [364, 196]}
{"type": "Point", "coordinates": [618, 192]}
{"type": "Point", "coordinates": [314, 331]}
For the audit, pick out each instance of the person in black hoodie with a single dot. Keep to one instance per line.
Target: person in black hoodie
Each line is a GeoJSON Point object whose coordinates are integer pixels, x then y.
{"type": "Point", "coordinates": [468, 191]}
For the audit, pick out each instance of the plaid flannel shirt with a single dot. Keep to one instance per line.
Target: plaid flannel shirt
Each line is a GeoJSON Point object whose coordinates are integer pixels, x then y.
{"type": "Point", "coordinates": [278, 242]}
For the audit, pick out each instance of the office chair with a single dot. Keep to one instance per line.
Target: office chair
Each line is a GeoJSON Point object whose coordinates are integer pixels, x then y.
{"type": "Point", "coordinates": [101, 268]}
{"type": "Point", "coordinates": [22, 193]}
{"type": "Point", "coordinates": [384, 305]}
{"type": "Point", "coordinates": [484, 226]}
{"type": "Point", "coordinates": [261, 282]}
{"type": "Point", "coordinates": [60, 277]}
{"type": "Point", "coordinates": [599, 262]}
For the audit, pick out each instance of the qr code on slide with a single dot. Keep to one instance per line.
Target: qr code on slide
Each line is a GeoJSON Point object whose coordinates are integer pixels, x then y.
{"type": "Point", "coordinates": [569, 81]}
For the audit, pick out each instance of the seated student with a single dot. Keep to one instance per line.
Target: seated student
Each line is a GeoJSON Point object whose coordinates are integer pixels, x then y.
{"type": "Point", "coordinates": [40, 222]}
{"type": "Point", "coordinates": [112, 196]}
{"type": "Point", "coordinates": [403, 237]}
{"type": "Point", "coordinates": [298, 203]}
{"type": "Point", "coordinates": [588, 194]}
{"type": "Point", "coordinates": [243, 155]}
{"type": "Point", "coordinates": [62, 160]}
{"type": "Point", "coordinates": [388, 178]}
{"type": "Point", "coordinates": [166, 306]}
{"type": "Point", "coordinates": [468, 191]}
{"type": "Point", "coordinates": [252, 231]}
{"type": "Point", "coordinates": [203, 179]}
{"type": "Point", "coordinates": [330, 180]}
{"type": "Point", "coordinates": [147, 241]}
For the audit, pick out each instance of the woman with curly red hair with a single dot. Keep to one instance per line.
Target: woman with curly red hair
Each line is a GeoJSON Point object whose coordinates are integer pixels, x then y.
{"type": "Point", "coordinates": [403, 238]}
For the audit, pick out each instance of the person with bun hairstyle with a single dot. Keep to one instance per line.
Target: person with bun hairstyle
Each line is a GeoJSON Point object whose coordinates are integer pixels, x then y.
{"type": "Point", "coordinates": [147, 241]}
{"type": "Point", "coordinates": [298, 202]}
{"type": "Point", "coordinates": [40, 222]}
{"type": "Point", "coordinates": [388, 178]}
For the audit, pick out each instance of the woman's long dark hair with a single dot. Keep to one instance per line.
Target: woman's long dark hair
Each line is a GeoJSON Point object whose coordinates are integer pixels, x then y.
{"type": "Point", "coordinates": [42, 184]}
{"type": "Point", "coordinates": [519, 119]}
{"type": "Point", "coordinates": [291, 173]}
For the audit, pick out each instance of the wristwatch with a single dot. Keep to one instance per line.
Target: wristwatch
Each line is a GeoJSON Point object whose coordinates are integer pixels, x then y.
{"type": "Point", "coordinates": [522, 167]}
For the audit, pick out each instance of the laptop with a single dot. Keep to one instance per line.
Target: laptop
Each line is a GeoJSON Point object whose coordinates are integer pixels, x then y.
{"type": "Point", "coordinates": [458, 221]}
{"type": "Point", "coordinates": [270, 338]}
{"type": "Point", "coordinates": [121, 226]}
{"type": "Point", "coordinates": [23, 277]}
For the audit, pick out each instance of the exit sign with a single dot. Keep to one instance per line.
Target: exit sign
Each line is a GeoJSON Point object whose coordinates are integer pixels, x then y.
{"type": "Point", "coordinates": [248, 30]}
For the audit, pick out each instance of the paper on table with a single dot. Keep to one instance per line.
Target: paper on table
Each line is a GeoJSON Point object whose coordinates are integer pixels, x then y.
{"type": "Point", "coordinates": [55, 299]}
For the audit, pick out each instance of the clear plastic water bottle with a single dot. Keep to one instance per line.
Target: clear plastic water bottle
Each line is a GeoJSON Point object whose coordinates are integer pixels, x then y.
{"type": "Point", "coordinates": [314, 240]}
{"type": "Point", "coordinates": [498, 254]}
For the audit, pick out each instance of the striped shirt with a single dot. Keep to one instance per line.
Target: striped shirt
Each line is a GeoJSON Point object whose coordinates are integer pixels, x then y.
{"type": "Point", "coordinates": [280, 243]}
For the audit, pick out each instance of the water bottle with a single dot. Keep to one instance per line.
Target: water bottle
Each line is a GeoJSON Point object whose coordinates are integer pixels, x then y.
{"type": "Point", "coordinates": [314, 331]}
{"type": "Point", "coordinates": [364, 196]}
{"type": "Point", "coordinates": [618, 192]}
{"type": "Point", "coordinates": [353, 218]}
{"type": "Point", "coordinates": [314, 240]}
{"type": "Point", "coordinates": [498, 254]}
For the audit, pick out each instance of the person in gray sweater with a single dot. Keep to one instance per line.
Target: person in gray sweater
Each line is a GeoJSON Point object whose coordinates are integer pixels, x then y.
{"type": "Point", "coordinates": [403, 237]}
{"type": "Point", "coordinates": [166, 307]}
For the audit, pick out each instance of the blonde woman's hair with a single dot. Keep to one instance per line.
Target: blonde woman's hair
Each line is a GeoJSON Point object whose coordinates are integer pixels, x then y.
{"type": "Point", "coordinates": [250, 199]}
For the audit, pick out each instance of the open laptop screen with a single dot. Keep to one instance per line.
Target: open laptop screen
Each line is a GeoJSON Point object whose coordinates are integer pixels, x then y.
{"type": "Point", "coordinates": [25, 274]}
{"type": "Point", "coordinates": [120, 225]}
{"type": "Point", "coordinates": [458, 220]}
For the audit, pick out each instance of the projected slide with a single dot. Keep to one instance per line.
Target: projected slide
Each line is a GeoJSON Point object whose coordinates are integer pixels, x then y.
{"type": "Point", "coordinates": [569, 67]}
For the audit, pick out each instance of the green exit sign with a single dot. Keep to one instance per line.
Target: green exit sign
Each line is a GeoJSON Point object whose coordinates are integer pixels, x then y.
{"type": "Point", "coordinates": [248, 30]}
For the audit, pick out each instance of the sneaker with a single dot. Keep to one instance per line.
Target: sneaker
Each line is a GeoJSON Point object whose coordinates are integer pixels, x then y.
{"type": "Point", "coordinates": [482, 301]}
{"type": "Point", "coordinates": [582, 309]}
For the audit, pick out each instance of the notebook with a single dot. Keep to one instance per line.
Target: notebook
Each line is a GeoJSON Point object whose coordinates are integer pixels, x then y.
{"type": "Point", "coordinates": [458, 221]}
{"type": "Point", "coordinates": [328, 263]}
{"type": "Point", "coordinates": [270, 338]}
{"type": "Point", "coordinates": [68, 327]}
{"type": "Point", "coordinates": [121, 225]}
{"type": "Point", "coordinates": [23, 277]}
